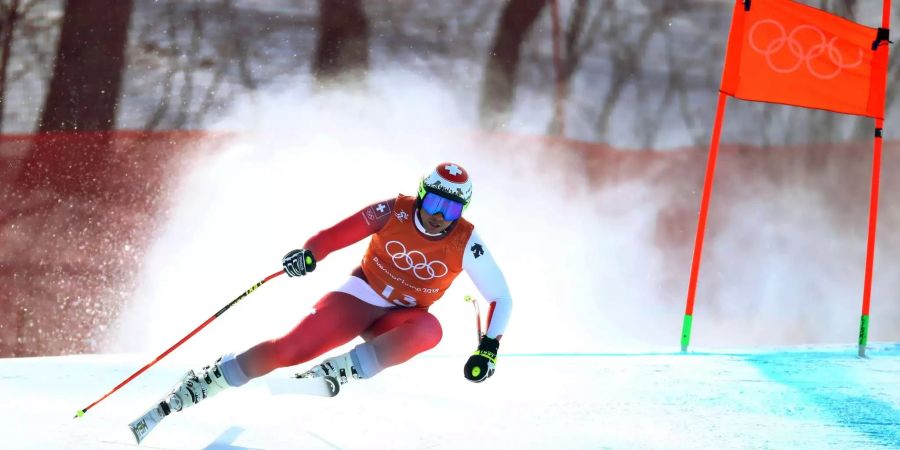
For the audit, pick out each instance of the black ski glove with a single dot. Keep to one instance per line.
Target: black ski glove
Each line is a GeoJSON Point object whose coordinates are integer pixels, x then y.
{"type": "Point", "coordinates": [480, 365]}
{"type": "Point", "coordinates": [298, 262]}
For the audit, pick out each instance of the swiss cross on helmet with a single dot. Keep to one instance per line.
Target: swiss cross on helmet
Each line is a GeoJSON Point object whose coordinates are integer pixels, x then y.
{"type": "Point", "coordinates": [447, 180]}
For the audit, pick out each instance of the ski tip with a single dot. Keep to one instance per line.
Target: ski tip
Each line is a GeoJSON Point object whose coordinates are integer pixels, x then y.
{"type": "Point", "coordinates": [138, 437]}
{"type": "Point", "coordinates": [79, 413]}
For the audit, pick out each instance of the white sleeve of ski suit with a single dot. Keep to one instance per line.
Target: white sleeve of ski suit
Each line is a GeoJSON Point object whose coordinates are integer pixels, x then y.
{"type": "Point", "coordinates": [486, 276]}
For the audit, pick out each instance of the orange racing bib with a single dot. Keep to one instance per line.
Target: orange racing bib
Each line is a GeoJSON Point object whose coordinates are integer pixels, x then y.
{"type": "Point", "coordinates": [408, 268]}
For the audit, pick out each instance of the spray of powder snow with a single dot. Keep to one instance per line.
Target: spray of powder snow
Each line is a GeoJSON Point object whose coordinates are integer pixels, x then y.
{"type": "Point", "coordinates": [586, 271]}
{"type": "Point", "coordinates": [306, 160]}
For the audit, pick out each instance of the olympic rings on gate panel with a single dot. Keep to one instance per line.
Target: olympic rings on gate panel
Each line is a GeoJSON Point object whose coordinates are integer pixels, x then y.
{"type": "Point", "coordinates": [415, 261]}
{"type": "Point", "coordinates": [804, 56]}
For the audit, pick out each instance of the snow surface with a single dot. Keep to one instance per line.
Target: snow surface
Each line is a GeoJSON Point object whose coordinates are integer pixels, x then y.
{"type": "Point", "coordinates": [789, 398]}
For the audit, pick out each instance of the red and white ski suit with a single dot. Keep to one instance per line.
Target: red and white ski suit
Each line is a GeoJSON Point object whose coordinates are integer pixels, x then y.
{"type": "Point", "coordinates": [386, 298]}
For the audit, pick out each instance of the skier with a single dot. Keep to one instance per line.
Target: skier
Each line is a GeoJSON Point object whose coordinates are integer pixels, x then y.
{"type": "Point", "coordinates": [418, 247]}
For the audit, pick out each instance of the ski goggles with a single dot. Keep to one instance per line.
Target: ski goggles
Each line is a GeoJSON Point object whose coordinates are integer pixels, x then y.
{"type": "Point", "coordinates": [450, 209]}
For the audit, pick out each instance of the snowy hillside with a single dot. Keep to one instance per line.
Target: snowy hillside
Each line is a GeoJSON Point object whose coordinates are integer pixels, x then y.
{"type": "Point", "coordinates": [811, 397]}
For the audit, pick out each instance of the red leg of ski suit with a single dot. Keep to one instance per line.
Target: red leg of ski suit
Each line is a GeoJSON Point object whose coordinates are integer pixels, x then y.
{"type": "Point", "coordinates": [396, 335]}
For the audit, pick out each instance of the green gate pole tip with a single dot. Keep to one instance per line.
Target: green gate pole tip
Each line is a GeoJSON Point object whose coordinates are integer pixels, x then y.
{"type": "Point", "coordinates": [686, 332]}
{"type": "Point", "coordinates": [863, 335]}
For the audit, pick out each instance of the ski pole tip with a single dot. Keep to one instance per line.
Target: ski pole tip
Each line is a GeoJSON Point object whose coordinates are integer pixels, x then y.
{"type": "Point", "coordinates": [467, 298]}
{"type": "Point", "coordinates": [79, 413]}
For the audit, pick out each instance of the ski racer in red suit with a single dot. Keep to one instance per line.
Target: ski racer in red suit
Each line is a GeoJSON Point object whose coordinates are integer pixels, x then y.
{"type": "Point", "coordinates": [419, 246]}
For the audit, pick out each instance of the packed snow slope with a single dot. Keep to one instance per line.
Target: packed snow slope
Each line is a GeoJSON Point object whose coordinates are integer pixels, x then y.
{"type": "Point", "coordinates": [787, 398]}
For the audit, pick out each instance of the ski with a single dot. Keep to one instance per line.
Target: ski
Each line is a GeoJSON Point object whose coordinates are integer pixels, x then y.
{"type": "Point", "coordinates": [326, 386]}
{"type": "Point", "coordinates": [149, 420]}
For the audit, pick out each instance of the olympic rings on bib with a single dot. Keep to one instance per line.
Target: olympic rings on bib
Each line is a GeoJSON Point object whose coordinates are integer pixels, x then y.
{"type": "Point", "coordinates": [415, 261]}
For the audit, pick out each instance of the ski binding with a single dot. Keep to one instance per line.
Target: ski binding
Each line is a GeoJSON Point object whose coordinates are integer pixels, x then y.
{"type": "Point", "coordinates": [326, 386]}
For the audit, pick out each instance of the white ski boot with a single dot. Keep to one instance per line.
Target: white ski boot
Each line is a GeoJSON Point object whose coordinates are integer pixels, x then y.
{"type": "Point", "coordinates": [325, 379]}
{"type": "Point", "coordinates": [195, 387]}
{"type": "Point", "coordinates": [339, 367]}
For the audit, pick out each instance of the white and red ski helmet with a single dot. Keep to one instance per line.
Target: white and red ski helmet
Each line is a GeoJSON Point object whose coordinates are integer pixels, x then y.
{"type": "Point", "coordinates": [448, 180]}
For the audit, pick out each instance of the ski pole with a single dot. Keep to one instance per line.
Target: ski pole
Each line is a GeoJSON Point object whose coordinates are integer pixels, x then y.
{"type": "Point", "coordinates": [190, 335]}
{"type": "Point", "coordinates": [474, 301]}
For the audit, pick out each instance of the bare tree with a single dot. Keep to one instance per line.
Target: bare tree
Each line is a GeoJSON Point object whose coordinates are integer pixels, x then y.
{"type": "Point", "coordinates": [83, 94]}
{"type": "Point", "coordinates": [498, 90]}
{"type": "Point", "coordinates": [9, 16]}
{"type": "Point", "coordinates": [202, 55]}
{"type": "Point", "coordinates": [22, 25]}
{"type": "Point", "coordinates": [90, 61]}
{"type": "Point", "coordinates": [627, 56]}
{"type": "Point", "coordinates": [342, 52]}
{"type": "Point", "coordinates": [577, 40]}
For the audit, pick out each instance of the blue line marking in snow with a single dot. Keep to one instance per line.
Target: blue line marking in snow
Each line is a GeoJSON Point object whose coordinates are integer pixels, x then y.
{"type": "Point", "coordinates": [833, 389]}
